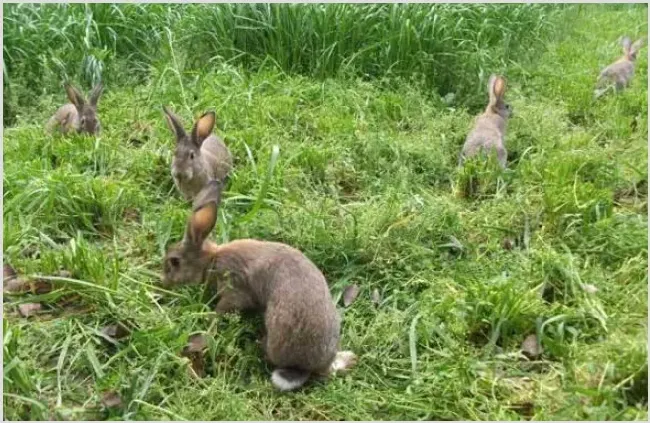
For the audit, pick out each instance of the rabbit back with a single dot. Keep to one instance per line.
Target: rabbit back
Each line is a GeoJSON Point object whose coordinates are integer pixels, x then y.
{"type": "Point", "coordinates": [619, 73]}
{"type": "Point", "coordinates": [65, 119]}
{"type": "Point", "coordinates": [216, 158]}
{"type": "Point", "coordinates": [302, 324]}
{"type": "Point", "coordinates": [487, 135]}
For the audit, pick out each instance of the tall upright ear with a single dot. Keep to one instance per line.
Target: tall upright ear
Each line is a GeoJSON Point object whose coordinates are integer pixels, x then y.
{"type": "Point", "coordinates": [491, 83]}
{"type": "Point", "coordinates": [499, 87]}
{"type": "Point", "coordinates": [201, 224]}
{"type": "Point", "coordinates": [634, 49]}
{"type": "Point", "coordinates": [204, 216]}
{"type": "Point", "coordinates": [203, 127]}
{"type": "Point", "coordinates": [95, 94]}
{"type": "Point", "coordinates": [74, 96]}
{"type": "Point", "coordinates": [626, 43]}
{"type": "Point", "coordinates": [174, 123]}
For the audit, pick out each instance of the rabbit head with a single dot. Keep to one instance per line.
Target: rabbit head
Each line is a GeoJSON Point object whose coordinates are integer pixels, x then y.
{"type": "Point", "coordinates": [186, 163]}
{"type": "Point", "coordinates": [631, 50]}
{"type": "Point", "coordinates": [497, 104]}
{"type": "Point", "coordinates": [186, 262]}
{"type": "Point", "coordinates": [87, 109]}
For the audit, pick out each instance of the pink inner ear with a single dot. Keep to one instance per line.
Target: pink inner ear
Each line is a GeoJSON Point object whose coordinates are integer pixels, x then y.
{"type": "Point", "coordinates": [203, 221]}
{"type": "Point", "coordinates": [499, 87]}
{"type": "Point", "coordinates": [205, 125]}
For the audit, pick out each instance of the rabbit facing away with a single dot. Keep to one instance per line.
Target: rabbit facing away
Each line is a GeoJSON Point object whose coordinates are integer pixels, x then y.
{"type": "Point", "coordinates": [200, 156]}
{"type": "Point", "coordinates": [80, 115]}
{"type": "Point", "coordinates": [620, 73]}
{"type": "Point", "coordinates": [302, 325]}
{"type": "Point", "coordinates": [490, 127]}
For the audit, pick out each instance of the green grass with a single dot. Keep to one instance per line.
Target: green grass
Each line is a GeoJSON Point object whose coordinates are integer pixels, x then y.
{"type": "Point", "coordinates": [365, 183]}
{"type": "Point", "coordinates": [128, 43]}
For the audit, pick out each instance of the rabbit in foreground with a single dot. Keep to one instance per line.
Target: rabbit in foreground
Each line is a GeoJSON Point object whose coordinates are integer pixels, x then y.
{"type": "Point", "coordinates": [200, 156]}
{"type": "Point", "coordinates": [301, 321]}
{"type": "Point", "coordinates": [79, 115]}
{"type": "Point", "coordinates": [620, 73]}
{"type": "Point", "coordinates": [490, 127]}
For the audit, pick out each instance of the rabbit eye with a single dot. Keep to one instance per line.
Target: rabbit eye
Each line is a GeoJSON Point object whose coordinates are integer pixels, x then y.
{"type": "Point", "coordinates": [191, 155]}
{"type": "Point", "coordinates": [174, 262]}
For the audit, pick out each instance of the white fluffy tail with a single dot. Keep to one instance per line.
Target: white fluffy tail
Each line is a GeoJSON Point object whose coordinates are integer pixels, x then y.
{"type": "Point", "coordinates": [344, 360]}
{"type": "Point", "coordinates": [289, 379]}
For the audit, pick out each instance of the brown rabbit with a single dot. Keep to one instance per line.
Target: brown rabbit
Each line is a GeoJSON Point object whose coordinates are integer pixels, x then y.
{"type": "Point", "coordinates": [199, 157]}
{"type": "Point", "coordinates": [301, 321]}
{"type": "Point", "coordinates": [490, 127]}
{"type": "Point", "coordinates": [79, 115]}
{"type": "Point", "coordinates": [620, 73]}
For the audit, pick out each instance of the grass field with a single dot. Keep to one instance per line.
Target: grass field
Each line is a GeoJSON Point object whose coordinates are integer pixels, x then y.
{"type": "Point", "coordinates": [358, 170]}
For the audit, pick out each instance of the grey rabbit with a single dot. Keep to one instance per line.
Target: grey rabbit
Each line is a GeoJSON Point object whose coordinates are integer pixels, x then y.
{"type": "Point", "coordinates": [200, 156]}
{"type": "Point", "coordinates": [620, 73]}
{"type": "Point", "coordinates": [80, 115]}
{"type": "Point", "coordinates": [490, 127]}
{"type": "Point", "coordinates": [302, 325]}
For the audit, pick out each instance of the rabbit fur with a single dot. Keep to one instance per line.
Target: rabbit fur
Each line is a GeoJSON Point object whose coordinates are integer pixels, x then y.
{"type": "Point", "coordinates": [620, 73]}
{"type": "Point", "coordinates": [80, 115]}
{"type": "Point", "coordinates": [200, 156]}
{"type": "Point", "coordinates": [302, 326]}
{"type": "Point", "coordinates": [490, 127]}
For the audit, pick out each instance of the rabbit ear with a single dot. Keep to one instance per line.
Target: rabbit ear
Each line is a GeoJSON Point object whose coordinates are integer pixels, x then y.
{"type": "Point", "coordinates": [74, 96]}
{"type": "Point", "coordinates": [203, 128]}
{"type": "Point", "coordinates": [200, 225]}
{"type": "Point", "coordinates": [496, 88]}
{"type": "Point", "coordinates": [204, 216]}
{"type": "Point", "coordinates": [636, 46]}
{"type": "Point", "coordinates": [499, 87]}
{"type": "Point", "coordinates": [626, 43]}
{"type": "Point", "coordinates": [174, 124]}
{"type": "Point", "coordinates": [491, 82]}
{"type": "Point", "coordinates": [95, 94]}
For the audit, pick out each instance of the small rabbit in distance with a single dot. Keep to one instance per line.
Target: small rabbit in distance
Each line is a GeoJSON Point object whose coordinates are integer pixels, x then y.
{"type": "Point", "coordinates": [620, 73]}
{"type": "Point", "coordinates": [200, 156]}
{"type": "Point", "coordinates": [302, 325]}
{"type": "Point", "coordinates": [80, 115]}
{"type": "Point", "coordinates": [490, 127]}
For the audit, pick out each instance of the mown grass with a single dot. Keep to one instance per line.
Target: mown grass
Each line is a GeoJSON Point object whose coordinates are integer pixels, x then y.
{"type": "Point", "coordinates": [365, 183]}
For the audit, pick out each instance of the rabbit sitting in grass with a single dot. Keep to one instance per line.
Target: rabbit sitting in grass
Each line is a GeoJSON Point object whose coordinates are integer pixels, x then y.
{"type": "Point", "coordinates": [200, 156]}
{"type": "Point", "coordinates": [620, 73]}
{"type": "Point", "coordinates": [301, 321]}
{"type": "Point", "coordinates": [78, 116]}
{"type": "Point", "coordinates": [489, 129]}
